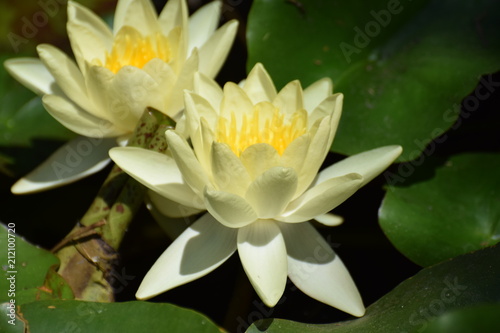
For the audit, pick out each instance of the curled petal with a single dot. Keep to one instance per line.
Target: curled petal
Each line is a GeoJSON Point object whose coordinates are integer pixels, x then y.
{"type": "Point", "coordinates": [262, 251]}
{"type": "Point", "coordinates": [200, 249]}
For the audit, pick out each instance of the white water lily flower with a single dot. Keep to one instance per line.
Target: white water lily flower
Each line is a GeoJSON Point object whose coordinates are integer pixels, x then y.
{"type": "Point", "coordinates": [145, 60]}
{"type": "Point", "coordinates": [254, 165]}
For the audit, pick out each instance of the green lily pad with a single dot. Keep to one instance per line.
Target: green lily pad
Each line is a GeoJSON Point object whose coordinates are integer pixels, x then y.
{"type": "Point", "coordinates": [28, 272]}
{"type": "Point", "coordinates": [482, 318]}
{"type": "Point", "coordinates": [403, 66]}
{"type": "Point", "coordinates": [431, 294]}
{"type": "Point", "coordinates": [88, 317]}
{"type": "Point", "coordinates": [455, 211]}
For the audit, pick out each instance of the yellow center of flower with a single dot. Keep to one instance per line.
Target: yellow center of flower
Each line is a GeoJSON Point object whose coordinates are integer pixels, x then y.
{"type": "Point", "coordinates": [266, 124]}
{"type": "Point", "coordinates": [130, 48]}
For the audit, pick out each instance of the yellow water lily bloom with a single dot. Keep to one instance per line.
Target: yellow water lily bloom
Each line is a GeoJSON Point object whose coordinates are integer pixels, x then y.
{"type": "Point", "coordinates": [145, 60]}
{"type": "Point", "coordinates": [253, 164]}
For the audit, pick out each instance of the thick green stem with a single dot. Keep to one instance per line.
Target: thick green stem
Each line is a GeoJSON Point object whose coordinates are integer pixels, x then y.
{"type": "Point", "coordinates": [88, 253]}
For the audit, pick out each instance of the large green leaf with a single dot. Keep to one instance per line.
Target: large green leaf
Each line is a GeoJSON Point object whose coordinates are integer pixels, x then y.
{"type": "Point", "coordinates": [88, 317]}
{"type": "Point", "coordinates": [453, 212]}
{"type": "Point", "coordinates": [404, 66]}
{"type": "Point", "coordinates": [28, 272]}
{"type": "Point", "coordinates": [467, 280]}
{"type": "Point", "coordinates": [482, 318]}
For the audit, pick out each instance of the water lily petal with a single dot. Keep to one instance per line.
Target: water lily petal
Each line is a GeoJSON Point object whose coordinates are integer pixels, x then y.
{"type": "Point", "coordinates": [203, 23]}
{"type": "Point", "coordinates": [191, 169]}
{"type": "Point", "coordinates": [259, 86]}
{"type": "Point", "coordinates": [139, 14]}
{"type": "Point", "coordinates": [329, 219]}
{"type": "Point", "coordinates": [290, 98]}
{"type": "Point", "coordinates": [195, 108]}
{"type": "Point", "coordinates": [262, 252]}
{"type": "Point", "coordinates": [78, 120]}
{"type": "Point", "coordinates": [258, 158]}
{"type": "Point", "coordinates": [229, 209]}
{"type": "Point", "coordinates": [209, 89]}
{"type": "Point", "coordinates": [293, 156]}
{"type": "Point", "coordinates": [77, 159]}
{"type": "Point", "coordinates": [157, 171]}
{"type": "Point", "coordinates": [170, 208]}
{"type": "Point", "coordinates": [316, 93]}
{"type": "Point", "coordinates": [235, 103]}
{"type": "Point", "coordinates": [228, 172]}
{"type": "Point", "coordinates": [200, 249]}
{"type": "Point", "coordinates": [67, 76]}
{"type": "Point", "coordinates": [174, 14]}
{"type": "Point", "coordinates": [184, 81]}
{"type": "Point", "coordinates": [89, 35]}
{"type": "Point", "coordinates": [271, 192]}
{"type": "Point", "coordinates": [214, 52]}
{"type": "Point", "coordinates": [330, 106]}
{"type": "Point", "coordinates": [369, 164]}
{"type": "Point", "coordinates": [321, 198]}
{"type": "Point", "coordinates": [318, 271]}
{"type": "Point", "coordinates": [33, 74]}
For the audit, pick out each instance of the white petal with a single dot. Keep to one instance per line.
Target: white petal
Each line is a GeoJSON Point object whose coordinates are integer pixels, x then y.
{"type": "Point", "coordinates": [258, 158]}
{"type": "Point", "coordinates": [330, 220]}
{"type": "Point", "coordinates": [262, 251]}
{"type": "Point", "coordinates": [191, 170]}
{"type": "Point", "coordinates": [368, 164]}
{"type": "Point", "coordinates": [228, 172]}
{"type": "Point", "coordinates": [200, 249]}
{"type": "Point", "coordinates": [32, 74]}
{"type": "Point", "coordinates": [290, 98]}
{"type": "Point", "coordinates": [174, 14]}
{"type": "Point", "coordinates": [208, 89]}
{"type": "Point", "coordinates": [272, 191]}
{"type": "Point", "coordinates": [169, 207]}
{"type": "Point", "coordinates": [203, 23]}
{"type": "Point", "coordinates": [229, 209]}
{"type": "Point", "coordinates": [158, 172]}
{"type": "Point", "coordinates": [89, 35]}
{"type": "Point", "coordinates": [78, 120]}
{"type": "Point", "coordinates": [235, 103]}
{"type": "Point", "coordinates": [316, 93]}
{"type": "Point", "coordinates": [77, 159]}
{"type": "Point", "coordinates": [214, 52]}
{"type": "Point", "coordinates": [139, 14]}
{"type": "Point", "coordinates": [259, 86]}
{"type": "Point", "coordinates": [316, 270]}
{"type": "Point", "coordinates": [321, 198]}
{"type": "Point", "coordinates": [67, 76]}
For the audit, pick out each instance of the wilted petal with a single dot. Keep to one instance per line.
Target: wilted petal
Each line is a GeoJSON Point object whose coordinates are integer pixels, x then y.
{"type": "Point", "coordinates": [158, 172]}
{"type": "Point", "coordinates": [316, 270]}
{"type": "Point", "coordinates": [229, 209]}
{"type": "Point", "coordinates": [321, 198]}
{"type": "Point", "coordinates": [263, 255]}
{"type": "Point", "coordinates": [200, 249]}
{"type": "Point", "coordinates": [33, 74]}
{"type": "Point", "coordinates": [368, 164]}
{"type": "Point", "coordinates": [271, 192]}
{"type": "Point", "coordinates": [77, 159]}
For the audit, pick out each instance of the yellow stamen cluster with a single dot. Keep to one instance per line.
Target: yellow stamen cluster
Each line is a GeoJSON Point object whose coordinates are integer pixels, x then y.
{"type": "Point", "coordinates": [130, 48]}
{"type": "Point", "coordinates": [262, 126]}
